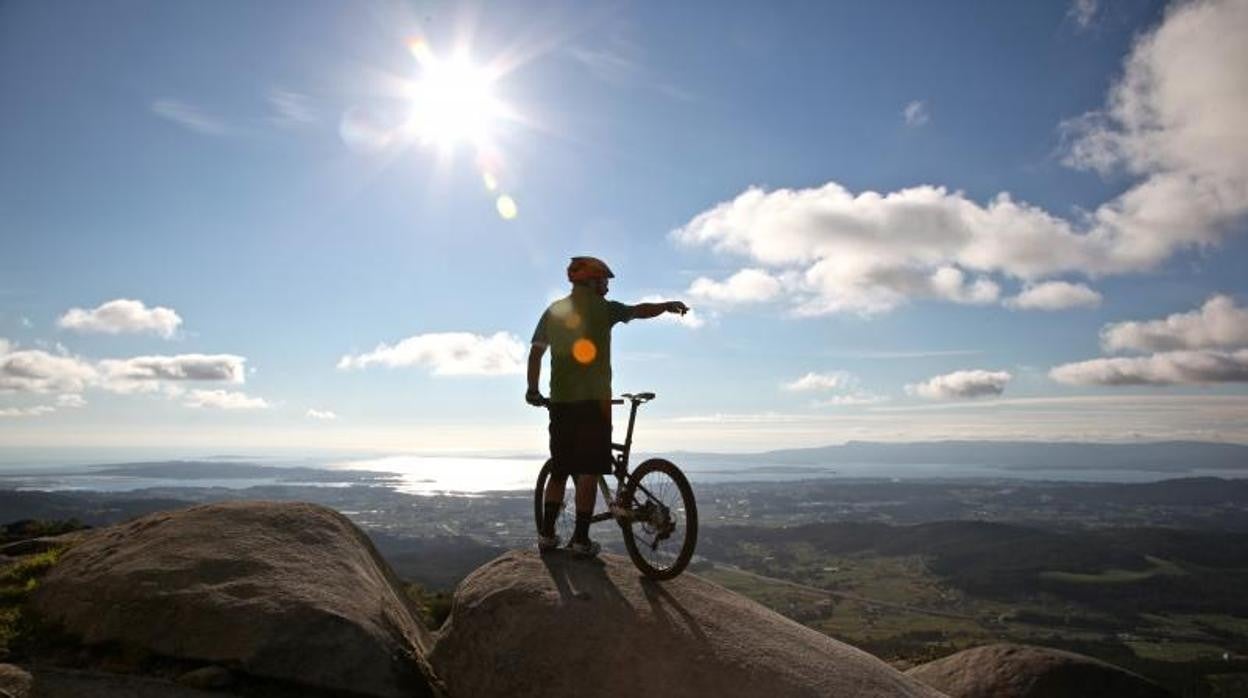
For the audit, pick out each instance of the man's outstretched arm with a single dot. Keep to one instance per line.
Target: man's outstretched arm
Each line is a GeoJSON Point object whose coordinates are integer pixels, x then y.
{"type": "Point", "coordinates": [643, 311]}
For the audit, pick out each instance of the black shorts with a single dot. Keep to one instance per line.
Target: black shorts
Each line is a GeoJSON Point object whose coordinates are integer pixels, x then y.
{"type": "Point", "coordinates": [580, 437]}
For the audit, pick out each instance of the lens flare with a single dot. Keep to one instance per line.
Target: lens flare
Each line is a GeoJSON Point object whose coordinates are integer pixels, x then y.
{"type": "Point", "coordinates": [506, 207]}
{"type": "Point", "coordinates": [491, 182]}
{"type": "Point", "coordinates": [584, 351]}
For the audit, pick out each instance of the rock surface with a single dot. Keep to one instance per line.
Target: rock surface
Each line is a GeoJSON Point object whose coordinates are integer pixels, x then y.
{"type": "Point", "coordinates": [1022, 671]}
{"type": "Point", "coordinates": [555, 625]}
{"type": "Point", "coordinates": [286, 591]}
{"type": "Point", "coordinates": [14, 681]}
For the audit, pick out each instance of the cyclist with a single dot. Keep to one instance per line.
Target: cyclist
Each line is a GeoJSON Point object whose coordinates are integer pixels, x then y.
{"type": "Point", "coordinates": [577, 329]}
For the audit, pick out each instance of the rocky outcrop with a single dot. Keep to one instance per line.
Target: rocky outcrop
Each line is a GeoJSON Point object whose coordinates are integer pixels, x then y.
{"type": "Point", "coordinates": [15, 681]}
{"type": "Point", "coordinates": [554, 625]}
{"type": "Point", "coordinates": [1022, 671]}
{"type": "Point", "coordinates": [282, 591]}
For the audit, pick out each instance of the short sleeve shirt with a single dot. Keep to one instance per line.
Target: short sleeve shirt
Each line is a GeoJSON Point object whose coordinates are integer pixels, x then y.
{"type": "Point", "coordinates": [577, 329]}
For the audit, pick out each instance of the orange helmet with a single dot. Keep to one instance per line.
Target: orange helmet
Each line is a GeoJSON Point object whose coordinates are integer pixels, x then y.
{"type": "Point", "coordinates": [586, 268]}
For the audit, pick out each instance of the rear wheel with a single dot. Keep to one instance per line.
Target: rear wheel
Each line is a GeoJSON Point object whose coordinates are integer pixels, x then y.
{"type": "Point", "coordinates": [662, 530]}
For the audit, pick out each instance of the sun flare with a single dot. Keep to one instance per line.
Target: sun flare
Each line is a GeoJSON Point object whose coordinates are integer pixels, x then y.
{"type": "Point", "coordinates": [452, 101]}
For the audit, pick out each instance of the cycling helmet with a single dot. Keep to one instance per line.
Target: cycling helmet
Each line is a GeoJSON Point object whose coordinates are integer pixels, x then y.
{"type": "Point", "coordinates": [587, 268]}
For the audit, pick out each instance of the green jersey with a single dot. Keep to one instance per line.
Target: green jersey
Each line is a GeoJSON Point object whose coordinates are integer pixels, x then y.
{"type": "Point", "coordinates": [577, 329]}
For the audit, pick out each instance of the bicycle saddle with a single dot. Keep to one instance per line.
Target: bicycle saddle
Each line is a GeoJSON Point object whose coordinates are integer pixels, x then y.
{"type": "Point", "coordinates": [640, 397]}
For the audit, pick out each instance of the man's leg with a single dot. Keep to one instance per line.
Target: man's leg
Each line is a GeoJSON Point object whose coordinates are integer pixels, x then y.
{"type": "Point", "coordinates": [556, 487]}
{"type": "Point", "coordinates": [586, 491]}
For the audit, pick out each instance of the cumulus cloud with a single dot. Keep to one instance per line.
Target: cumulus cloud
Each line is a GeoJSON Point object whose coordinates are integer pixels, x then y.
{"type": "Point", "coordinates": [224, 400]}
{"type": "Point", "coordinates": [1054, 295]}
{"type": "Point", "coordinates": [915, 113]}
{"type": "Point", "coordinates": [188, 116]}
{"type": "Point", "coordinates": [820, 381]}
{"type": "Point", "coordinates": [323, 415]}
{"type": "Point", "coordinates": [447, 354]}
{"type": "Point", "coordinates": [745, 286]}
{"type": "Point", "coordinates": [961, 385]}
{"type": "Point", "coordinates": [1172, 121]}
{"type": "Point", "coordinates": [1218, 324]}
{"type": "Point", "coordinates": [1166, 368]}
{"type": "Point", "coordinates": [121, 374]}
{"type": "Point", "coordinates": [122, 315]}
{"type": "Point", "coordinates": [37, 371]}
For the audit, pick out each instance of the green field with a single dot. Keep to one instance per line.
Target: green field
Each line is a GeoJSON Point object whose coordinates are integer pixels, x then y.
{"type": "Point", "coordinates": [908, 609]}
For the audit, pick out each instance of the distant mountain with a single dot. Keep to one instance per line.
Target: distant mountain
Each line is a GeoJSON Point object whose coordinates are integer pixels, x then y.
{"type": "Point", "coordinates": [1158, 456]}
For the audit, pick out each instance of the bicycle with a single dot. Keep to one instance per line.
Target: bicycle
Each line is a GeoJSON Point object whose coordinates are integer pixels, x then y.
{"type": "Point", "coordinates": [654, 506]}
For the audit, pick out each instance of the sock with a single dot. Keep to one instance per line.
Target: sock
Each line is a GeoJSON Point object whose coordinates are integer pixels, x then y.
{"type": "Point", "coordinates": [582, 526]}
{"type": "Point", "coordinates": [550, 513]}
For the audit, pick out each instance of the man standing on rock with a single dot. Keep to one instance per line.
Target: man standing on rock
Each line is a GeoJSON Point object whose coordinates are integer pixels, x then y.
{"type": "Point", "coordinates": [577, 329]}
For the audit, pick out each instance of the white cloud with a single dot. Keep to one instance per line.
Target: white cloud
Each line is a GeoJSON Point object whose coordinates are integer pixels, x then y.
{"type": "Point", "coordinates": [915, 113]}
{"type": "Point", "coordinates": [836, 380]}
{"type": "Point", "coordinates": [146, 372]}
{"type": "Point", "coordinates": [849, 400]}
{"type": "Point", "coordinates": [291, 108]}
{"type": "Point", "coordinates": [1083, 12]}
{"type": "Point", "coordinates": [37, 371]}
{"type": "Point", "coordinates": [5, 345]}
{"type": "Point", "coordinates": [26, 322]}
{"type": "Point", "coordinates": [745, 286]}
{"type": "Point", "coordinates": [448, 354]}
{"type": "Point", "coordinates": [122, 315]}
{"type": "Point", "coordinates": [16, 412]}
{"type": "Point", "coordinates": [1218, 324]}
{"type": "Point", "coordinates": [71, 400]}
{"type": "Point", "coordinates": [188, 116]}
{"type": "Point", "coordinates": [224, 400]}
{"type": "Point", "coordinates": [1054, 295]}
{"type": "Point", "coordinates": [323, 415]}
{"type": "Point", "coordinates": [1166, 368]}
{"type": "Point", "coordinates": [1173, 121]}
{"type": "Point", "coordinates": [961, 385]}
{"type": "Point", "coordinates": [845, 385]}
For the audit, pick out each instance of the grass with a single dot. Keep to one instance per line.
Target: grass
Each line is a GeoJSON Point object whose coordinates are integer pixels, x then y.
{"type": "Point", "coordinates": [1175, 651]}
{"type": "Point", "coordinates": [1159, 567]}
{"type": "Point", "coordinates": [433, 606]}
{"type": "Point", "coordinates": [17, 582]}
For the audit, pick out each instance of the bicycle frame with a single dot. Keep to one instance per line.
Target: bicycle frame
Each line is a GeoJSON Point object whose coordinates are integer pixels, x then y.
{"type": "Point", "coordinates": [614, 509]}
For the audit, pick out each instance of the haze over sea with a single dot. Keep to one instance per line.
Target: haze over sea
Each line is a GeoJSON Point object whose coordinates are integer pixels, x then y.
{"type": "Point", "coordinates": [117, 470]}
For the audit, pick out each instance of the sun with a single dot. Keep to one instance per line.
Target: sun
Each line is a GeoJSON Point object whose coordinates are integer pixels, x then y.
{"type": "Point", "coordinates": [452, 101]}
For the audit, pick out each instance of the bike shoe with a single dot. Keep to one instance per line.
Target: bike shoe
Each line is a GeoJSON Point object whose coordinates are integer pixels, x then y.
{"type": "Point", "coordinates": [584, 548]}
{"type": "Point", "coordinates": [548, 543]}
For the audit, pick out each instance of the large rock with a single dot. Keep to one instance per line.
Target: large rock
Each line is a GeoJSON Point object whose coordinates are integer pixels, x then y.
{"type": "Point", "coordinates": [1022, 671]}
{"type": "Point", "coordinates": [285, 591]}
{"type": "Point", "coordinates": [554, 625]}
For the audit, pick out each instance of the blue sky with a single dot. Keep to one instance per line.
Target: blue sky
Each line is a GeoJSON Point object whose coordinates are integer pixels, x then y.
{"type": "Point", "coordinates": [226, 226]}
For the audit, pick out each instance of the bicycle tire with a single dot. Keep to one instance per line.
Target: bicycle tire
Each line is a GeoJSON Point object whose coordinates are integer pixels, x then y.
{"type": "Point", "coordinates": [669, 497]}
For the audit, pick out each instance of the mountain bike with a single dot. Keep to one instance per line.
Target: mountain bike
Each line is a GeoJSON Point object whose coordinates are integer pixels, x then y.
{"type": "Point", "coordinates": [653, 505]}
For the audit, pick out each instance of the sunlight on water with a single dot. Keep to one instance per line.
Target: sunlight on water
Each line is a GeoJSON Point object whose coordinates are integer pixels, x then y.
{"type": "Point", "coordinates": [436, 474]}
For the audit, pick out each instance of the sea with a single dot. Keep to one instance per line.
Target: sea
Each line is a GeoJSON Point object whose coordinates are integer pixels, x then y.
{"type": "Point", "coordinates": [456, 474]}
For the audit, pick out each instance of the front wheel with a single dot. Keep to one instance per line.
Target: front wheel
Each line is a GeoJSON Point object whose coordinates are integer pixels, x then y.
{"type": "Point", "coordinates": [662, 528]}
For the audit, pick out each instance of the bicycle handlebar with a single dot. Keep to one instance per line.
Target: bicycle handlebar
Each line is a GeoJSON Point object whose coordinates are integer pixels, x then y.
{"type": "Point", "coordinates": [636, 398]}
